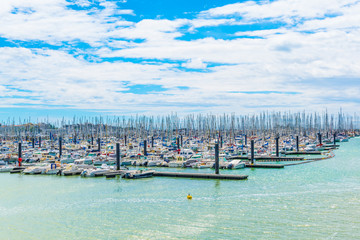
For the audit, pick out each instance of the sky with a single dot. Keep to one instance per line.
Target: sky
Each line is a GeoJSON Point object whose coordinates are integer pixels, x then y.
{"type": "Point", "coordinates": [97, 57]}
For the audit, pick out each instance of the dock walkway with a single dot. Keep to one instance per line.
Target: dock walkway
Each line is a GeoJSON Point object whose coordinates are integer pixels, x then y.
{"type": "Point", "coordinates": [200, 175]}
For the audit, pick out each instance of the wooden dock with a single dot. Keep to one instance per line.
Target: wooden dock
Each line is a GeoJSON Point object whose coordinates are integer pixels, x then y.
{"type": "Point", "coordinates": [200, 175]}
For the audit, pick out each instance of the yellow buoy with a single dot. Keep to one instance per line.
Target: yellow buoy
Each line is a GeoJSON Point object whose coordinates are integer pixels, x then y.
{"type": "Point", "coordinates": [189, 196]}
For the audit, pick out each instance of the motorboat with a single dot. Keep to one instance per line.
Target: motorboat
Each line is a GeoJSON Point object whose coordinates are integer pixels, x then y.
{"type": "Point", "coordinates": [6, 168]}
{"type": "Point", "coordinates": [74, 169]}
{"type": "Point", "coordinates": [35, 169]}
{"type": "Point", "coordinates": [133, 174]}
{"type": "Point", "coordinates": [236, 164]}
{"type": "Point", "coordinates": [190, 162]}
{"type": "Point", "coordinates": [52, 169]}
{"type": "Point", "coordinates": [96, 172]}
{"type": "Point", "coordinates": [204, 164]}
{"type": "Point", "coordinates": [17, 169]}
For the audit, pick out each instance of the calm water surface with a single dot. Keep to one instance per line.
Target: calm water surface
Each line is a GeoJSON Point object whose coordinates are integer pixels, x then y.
{"type": "Point", "coordinates": [319, 200]}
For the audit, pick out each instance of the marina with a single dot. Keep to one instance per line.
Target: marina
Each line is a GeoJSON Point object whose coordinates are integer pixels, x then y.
{"type": "Point", "coordinates": [129, 147]}
{"type": "Point", "coordinates": [179, 120]}
{"type": "Point", "coordinates": [310, 197]}
{"type": "Point", "coordinates": [101, 177]}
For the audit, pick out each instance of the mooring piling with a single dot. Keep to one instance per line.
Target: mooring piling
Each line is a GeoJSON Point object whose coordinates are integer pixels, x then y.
{"type": "Point", "coordinates": [60, 147]}
{"type": "Point", "coordinates": [99, 145]}
{"type": "Point", "coordinates": [145, 148]}
{"type": "Point", "coordinates": [19, 153]}
{"type": "Point", "coordinates": [297, 143]}
{"type": "Point", "coordinates": [118, 156]}
{"type": "Point", "coordinates": [252, 152]}
{"type": "Point", "coordinates": [216, 158]}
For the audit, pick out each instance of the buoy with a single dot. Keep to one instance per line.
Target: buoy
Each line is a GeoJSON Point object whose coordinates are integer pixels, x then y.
{"type": "Point", "coordinates": [189, 196]}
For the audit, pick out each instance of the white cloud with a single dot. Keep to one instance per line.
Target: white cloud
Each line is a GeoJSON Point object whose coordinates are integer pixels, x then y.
{"type": "Point", "coordinates": [53, 22]}
{"type": "Point", "coordinates": [194, 63]}
{"type": "Point", "coordinates": [316, 58]}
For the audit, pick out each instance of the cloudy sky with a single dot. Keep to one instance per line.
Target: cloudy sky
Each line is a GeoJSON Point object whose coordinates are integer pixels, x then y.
{"type": "Point", "coordinates": [91, 57]}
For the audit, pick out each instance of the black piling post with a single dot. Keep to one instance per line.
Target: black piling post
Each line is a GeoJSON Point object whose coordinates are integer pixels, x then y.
{"type": "Point", "coordinates": [145, 146]}
{"type": "Point", "coordinates": [221, 141]}
{"type": "Point", "coordinates": [181, 140]}
{"type": "Point", "coordinates": [152, 142]}
{"type": "Point", "coordinates": [60, 147]}
{"type": "Point", "coordinates": [33, 142]}
{"type": "Point", "coordinates": [117, 156]}
{"type": "Point", "coordinates": [252, 151]}
{"type": "Point", "coordinates": [40, 142]}
{"type": "Point", "coordinates": [277, 146]}
{"type": "Point", "coordinates": [19, 154]}
{"type": "Point", "coordinates": [297, 143]}
{"type": "Point", "coordinates": [217, 158]}
{"type": "Point", "coordinates": [99, 145]}
{"type": "Point", "coordinates": [245, 140]}
{"type": "Point", "coordinates": [320, 140]}
{"type": "Point", "coordinates": [334, 139]}
{"type": "Point", "coordinates": [92, 141]}
{"type": "Point", "coordinates": [125, 140]}
{"type": "Point", "coordinates": [178, 143]}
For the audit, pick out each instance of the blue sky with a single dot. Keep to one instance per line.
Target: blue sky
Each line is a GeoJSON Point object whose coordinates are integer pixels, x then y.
{"type": "Point", "coordinates": [87, 57]}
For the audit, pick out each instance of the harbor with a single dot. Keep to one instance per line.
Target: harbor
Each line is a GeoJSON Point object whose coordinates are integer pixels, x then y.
{"type": "Point", "coordinates": [136, 147]}
{"type": "Point", "coordinates": [308, 196]}
{"type": "Point", "coordinates": [138, 178]}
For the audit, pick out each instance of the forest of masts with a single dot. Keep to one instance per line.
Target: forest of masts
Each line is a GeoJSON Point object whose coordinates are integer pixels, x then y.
{"type": "Point", "coordinates": [207, 126]}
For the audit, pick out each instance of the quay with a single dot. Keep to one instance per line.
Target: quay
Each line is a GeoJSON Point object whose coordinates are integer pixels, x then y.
{"type": "Point", "coordinates": [200, 175]}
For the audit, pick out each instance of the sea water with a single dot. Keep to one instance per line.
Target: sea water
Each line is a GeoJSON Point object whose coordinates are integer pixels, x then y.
{"type": "Point", "coordinates": [318, 200]}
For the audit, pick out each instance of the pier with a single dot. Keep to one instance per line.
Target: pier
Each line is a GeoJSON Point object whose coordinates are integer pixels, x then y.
{"type": "Point", "coordinates": [255, 165]}
{"type": "Point", "coordinates": [270, 158]}
{"type": "Point", "coordinates": [200, 175]}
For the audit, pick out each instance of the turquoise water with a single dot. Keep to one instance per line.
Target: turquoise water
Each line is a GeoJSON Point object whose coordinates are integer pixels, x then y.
{"type": "Point", "coordinates": [319, 200]}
